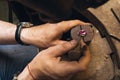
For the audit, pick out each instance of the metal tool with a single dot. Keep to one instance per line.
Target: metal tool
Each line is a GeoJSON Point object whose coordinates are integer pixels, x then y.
{"type": "Point", "coordinates": [84, 32]}
{"type": "Point", "coordinates": [115, 15]}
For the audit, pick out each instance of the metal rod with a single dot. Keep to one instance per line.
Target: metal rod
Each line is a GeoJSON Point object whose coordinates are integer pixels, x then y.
{"type": "Point", "coordinates": [117, 18]}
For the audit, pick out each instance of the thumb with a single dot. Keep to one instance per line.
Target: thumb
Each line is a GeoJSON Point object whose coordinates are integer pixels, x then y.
{"type": "Point", "coordinates": [63, 48]}
{"type": "Point", "coordinates": [59, 42]}
{"type": "Point", "coordinates": [67, 25]}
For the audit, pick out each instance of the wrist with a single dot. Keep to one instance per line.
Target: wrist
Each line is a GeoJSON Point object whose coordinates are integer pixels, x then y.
{"type": "Point", "coordinates": [32, 36]}
{"type": "Point", "coordinates": [38, 73]}
{"type": "Point", "coordinates": [25, 75]}
{"type": "Point", "coordinates": [25, 36]}
{"type": "Point", "coordinates": [21, 27]}
{"type": "Point", "coordinates": [12, 32]}
{"type": "Point", "coordinates": [7, 34]}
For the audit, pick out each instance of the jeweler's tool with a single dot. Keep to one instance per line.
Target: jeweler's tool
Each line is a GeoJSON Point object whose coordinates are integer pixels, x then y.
{"type": "Point", "coordinates": [84, 32]}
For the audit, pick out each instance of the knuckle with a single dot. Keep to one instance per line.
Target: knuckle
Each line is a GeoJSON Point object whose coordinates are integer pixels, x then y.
{"type": "Point", "coordinates": [66, 46]}
{"type": "Point", "coordinates": [77, 20]}
{"type": "Point", "coordinates": [60, 23]}
{"type": "Point", "coordinates": [50, 24]}
{"type": "Point", "coordinates": [47, 24]}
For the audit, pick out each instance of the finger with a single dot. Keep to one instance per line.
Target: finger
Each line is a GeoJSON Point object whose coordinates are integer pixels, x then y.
{"type": "Point", "coordinates": [67, 25]}
{"type": "Point", "coordinates": [62, 48]}
{"type": "Point", "coordinates": [85, 59]}
{"type": "Point", "coordinates": [59, 42]}
{"type": "Point", "coordinates": [81, 65]}
{"type": "Point", "coordinates": [82, 43]}
{"type": "Point", "coordinates": [72, 66]}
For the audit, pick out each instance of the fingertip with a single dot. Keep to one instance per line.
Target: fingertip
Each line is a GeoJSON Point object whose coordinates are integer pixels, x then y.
{"type": "Point", "coordinates": [82, 42]}
{"type": "Point", "coordinates": [73, 42]}
{"type": "Point", "coordinates": [68, 45]}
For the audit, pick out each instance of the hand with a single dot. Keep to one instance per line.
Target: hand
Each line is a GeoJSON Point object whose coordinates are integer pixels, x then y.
{"type": "Point", "coordinates": [48, 34]}
{"type": "Point", "coordinates": [47, 65]}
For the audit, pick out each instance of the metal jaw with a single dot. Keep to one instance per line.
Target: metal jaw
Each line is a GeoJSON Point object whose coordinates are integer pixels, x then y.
{"type": "Point", "coordinates": [84, 32]}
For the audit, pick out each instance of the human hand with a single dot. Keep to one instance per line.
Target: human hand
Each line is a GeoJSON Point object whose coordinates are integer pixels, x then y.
{"type": "Point", "coordinates": [48, 34]}
{"type": "Point", "coordinates": [47, 65]}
